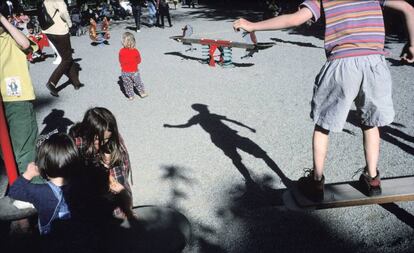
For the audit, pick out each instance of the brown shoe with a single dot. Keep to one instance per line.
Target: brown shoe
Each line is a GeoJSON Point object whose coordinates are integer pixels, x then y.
{"type": "Point", "coordinates": [311, 188]}
{"type": "Point", "coordinates": [370, 186]}
{"type": "Point", "coordinates": [77, 87]}
{"type": "Point", "coordinates": [52, 89]}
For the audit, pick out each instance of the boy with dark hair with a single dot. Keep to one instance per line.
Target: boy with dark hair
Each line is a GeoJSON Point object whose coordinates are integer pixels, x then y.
{"type": "Point", "coordinates": [356, 70]}
{"type": "Point", "coordinates": [56, 158]}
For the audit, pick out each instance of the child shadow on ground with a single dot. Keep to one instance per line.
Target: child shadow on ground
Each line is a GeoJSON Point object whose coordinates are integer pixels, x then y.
{"type": "Point", "coordinates": [121, 86]}
{"type": "Point", "coordinates": [229, 141]}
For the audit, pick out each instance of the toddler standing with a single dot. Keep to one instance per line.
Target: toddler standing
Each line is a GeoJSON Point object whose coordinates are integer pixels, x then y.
{"type": "Point", "coordinates": [129, 58]}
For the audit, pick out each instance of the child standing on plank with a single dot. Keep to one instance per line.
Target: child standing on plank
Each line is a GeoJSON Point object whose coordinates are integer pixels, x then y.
{"type": "Point", "coordinates": [130, 58]}
{"type": "Point", "coordinates": [356, 70]}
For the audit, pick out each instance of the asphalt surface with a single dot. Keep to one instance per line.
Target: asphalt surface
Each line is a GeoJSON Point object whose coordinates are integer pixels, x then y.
{"type": "Point", "coordinates": [259, 108]}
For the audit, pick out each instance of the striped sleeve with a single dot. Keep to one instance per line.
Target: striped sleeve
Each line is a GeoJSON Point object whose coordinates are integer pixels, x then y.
{"type": "Point", "coordinates": [314, 6]}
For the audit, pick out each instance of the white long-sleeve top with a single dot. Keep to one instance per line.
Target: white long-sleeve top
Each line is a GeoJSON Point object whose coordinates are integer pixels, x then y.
{"type": "Point", "coordinates": [61, 18]}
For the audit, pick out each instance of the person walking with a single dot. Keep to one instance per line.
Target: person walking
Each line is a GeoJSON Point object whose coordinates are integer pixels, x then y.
{"type": "Point", "coordinates": [59, 35]}
{"type": "Point", "coordinates": [136, 12]}
{"type": "Point", "coordinates": [163, 11]}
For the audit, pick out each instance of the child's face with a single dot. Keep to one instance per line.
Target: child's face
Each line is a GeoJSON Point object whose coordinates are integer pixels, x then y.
{"type": "Point", "coordinates": [98, 143]}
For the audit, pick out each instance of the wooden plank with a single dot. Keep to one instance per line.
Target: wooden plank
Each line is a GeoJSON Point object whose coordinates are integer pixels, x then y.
{"type": "Point", "coordinates": [200, 41]}
{"type": "Point", "coordinates": [349, 194]}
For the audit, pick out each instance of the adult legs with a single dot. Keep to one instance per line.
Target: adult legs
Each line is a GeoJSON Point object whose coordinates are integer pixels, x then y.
{"type": "Point", "coordinates": [168, 17]}
{"type": "Point", "coordinates": [162, 14]}
{"type": "Point", "coordinates": [67, 66]}
{"type": "Point", "coordinates": [58, 58]}
{"type": "Point", "coordinates": [136, 11]}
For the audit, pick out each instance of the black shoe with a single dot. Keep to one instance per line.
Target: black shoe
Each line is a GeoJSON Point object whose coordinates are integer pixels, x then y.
{"type": "Point", "coordinates": [370, 186]}
{"type": "Point", "coordinates": [311, 188]}
{"type": "Point", "coordinates": [77, 87]}
{"type": "Point", "coordinates": [52, 89]}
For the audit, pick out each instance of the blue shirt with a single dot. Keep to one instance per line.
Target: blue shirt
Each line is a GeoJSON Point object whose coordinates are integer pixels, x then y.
{"type": "Point", "coordinates": [40, 195]}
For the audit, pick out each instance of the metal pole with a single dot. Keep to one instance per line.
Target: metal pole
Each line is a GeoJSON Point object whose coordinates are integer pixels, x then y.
{"type": "Point", "coordinates": [6, 147]}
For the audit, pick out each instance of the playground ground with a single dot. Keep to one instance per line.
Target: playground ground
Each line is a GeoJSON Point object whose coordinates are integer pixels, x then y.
{"type": "Point", "coordinates": [262, 104]}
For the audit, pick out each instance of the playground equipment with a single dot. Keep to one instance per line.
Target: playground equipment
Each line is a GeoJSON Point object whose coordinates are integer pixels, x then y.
{"type": "Point", "coordinates": [225, 47]}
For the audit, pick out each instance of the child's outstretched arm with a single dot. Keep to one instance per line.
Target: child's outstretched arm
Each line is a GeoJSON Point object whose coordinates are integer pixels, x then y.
{"type": "Point", "coordinates": [18, 36]}
{"type": "Point", "coordinates": [408, 11]}
{"type": "Point", "coordinates": [276, 23]}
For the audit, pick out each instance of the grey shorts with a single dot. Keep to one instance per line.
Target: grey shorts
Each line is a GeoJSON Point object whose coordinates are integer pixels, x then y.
{"type": "Point", "coordinates": [365, 80]}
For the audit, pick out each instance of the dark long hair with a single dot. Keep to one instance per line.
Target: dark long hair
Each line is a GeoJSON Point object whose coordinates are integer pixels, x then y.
{"type": "Point", "coordinates": [57, 156]}
{"type": "Point", "coordinates": [96, 121]}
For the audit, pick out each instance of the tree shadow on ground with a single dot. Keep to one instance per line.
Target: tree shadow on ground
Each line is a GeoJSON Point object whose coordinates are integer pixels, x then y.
{"type": "Point", "coordinates": [251, 220]}
{"type": "Point", "coordinates": [218, 13]}
{"type": "Point", "coordinates": [55, 120]}
{"type": "Point", "coordinates": [387, 133]}
{"type": "Point", "coordinates": [203, 61]}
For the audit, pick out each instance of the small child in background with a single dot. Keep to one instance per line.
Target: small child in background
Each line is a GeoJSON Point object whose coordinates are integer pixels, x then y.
{"type": "Point", "coordinates": [55, 159]}
{"type": "Point", "coordinates": [130, 58]}
{"type": "Point", "coordinates": [40, 39]}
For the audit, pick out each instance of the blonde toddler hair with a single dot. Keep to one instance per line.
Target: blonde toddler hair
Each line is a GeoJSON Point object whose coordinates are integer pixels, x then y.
{"type": "Point", "coordinates": [128, 40]}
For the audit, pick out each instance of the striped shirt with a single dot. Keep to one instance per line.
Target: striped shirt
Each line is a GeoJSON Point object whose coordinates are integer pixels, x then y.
{"type": "Point", "coordinates": [352, 27]}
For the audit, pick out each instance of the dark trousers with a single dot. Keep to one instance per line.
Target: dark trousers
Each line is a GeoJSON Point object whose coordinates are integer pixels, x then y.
{"type": "Point", "coordinates": [136, 11]}
{"type": "Point", "coordinates": [67, 66]}
{"type": "Point", "coordinates": [163, 12]}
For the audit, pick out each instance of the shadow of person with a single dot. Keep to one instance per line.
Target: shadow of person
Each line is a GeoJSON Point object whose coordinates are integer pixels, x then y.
{"type": "Point", "coordinates": [387, 133]}
{"type": "Point", "coordinates": [228, 140]}
{"type": "Point", "coordinates": [56, 121]}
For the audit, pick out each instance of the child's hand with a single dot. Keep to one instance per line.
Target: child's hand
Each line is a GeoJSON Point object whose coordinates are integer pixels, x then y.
{"type": "Point", "coordinates": [407, 54]}
{"type": "Point", "coordinates": [115, 186]}
{"type": "Point", "coordinates": [31, 171]}
{"type": "Point", "coordinates": [243, 24]}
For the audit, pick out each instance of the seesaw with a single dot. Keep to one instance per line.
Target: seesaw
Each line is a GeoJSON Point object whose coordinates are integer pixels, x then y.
{"type": "Point", "coordinates": [209, 46]}
{"type": "Point", "coordinates": [350, 194]}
